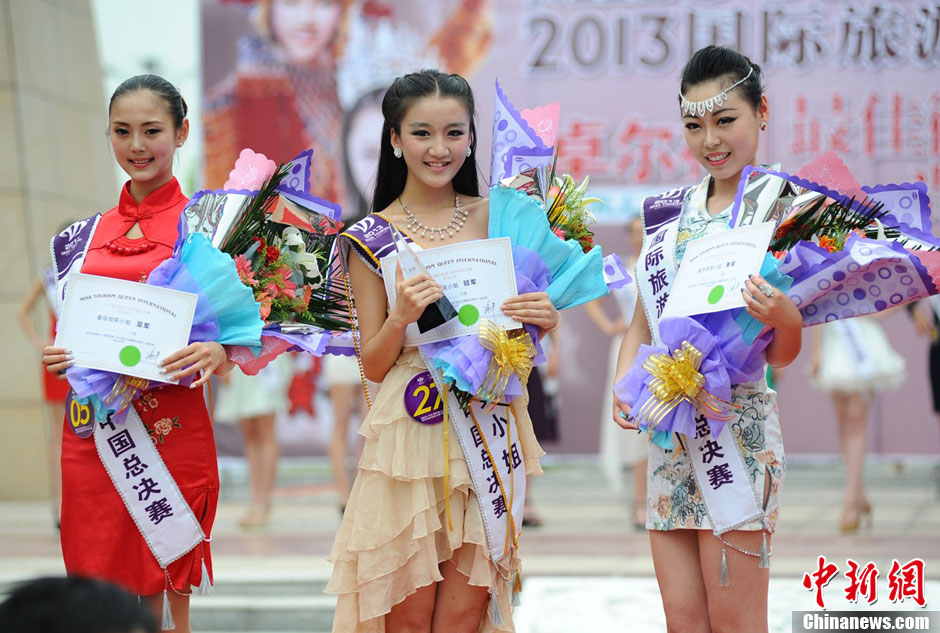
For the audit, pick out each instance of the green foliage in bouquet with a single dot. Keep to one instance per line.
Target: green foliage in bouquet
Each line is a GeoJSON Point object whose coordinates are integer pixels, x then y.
{"type": "Point", "coordinates": [566, 206]}
{"type": "Point", "coordinates": [287, 269]}
{"type": "Point", "coordinates": [828, 223]}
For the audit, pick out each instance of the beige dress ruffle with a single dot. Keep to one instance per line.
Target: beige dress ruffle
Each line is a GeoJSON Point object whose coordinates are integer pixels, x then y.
{"type": "Point", "coordinates": [394, 534]}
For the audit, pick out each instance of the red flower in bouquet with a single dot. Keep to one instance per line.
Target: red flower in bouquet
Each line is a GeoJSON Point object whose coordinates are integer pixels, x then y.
{"type": "Point", "coordinates": [271, 255]}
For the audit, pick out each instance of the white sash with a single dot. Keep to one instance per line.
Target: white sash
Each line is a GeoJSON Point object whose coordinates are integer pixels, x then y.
{"type": "Point", "coordinates": [729, 497]}
{"type": "Point", "coordinates": [149, 492]}
{"type": "Point", "coordinates": [730, 500]}
{"type": "Point", "coordinates": [655, 273]}
{"type": "Point", "coordinates": [489, 439]}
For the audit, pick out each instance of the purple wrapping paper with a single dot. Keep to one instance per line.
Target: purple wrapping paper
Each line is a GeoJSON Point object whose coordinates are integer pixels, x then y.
{"type": "Point", "coordinates": [908, 207]}
{"type": "Point", "coordinates": [516, 146]}
{"type": "Point", "coordinates": [314, 343]}
{"type": "Point", "coordinates": [868, 276]}
{"type": "Point", "coordinates": [464, 362]}
{"type": "Point", "coordinates": [615, 273]}
{"type": "Point", "coordinates": [726, 360]}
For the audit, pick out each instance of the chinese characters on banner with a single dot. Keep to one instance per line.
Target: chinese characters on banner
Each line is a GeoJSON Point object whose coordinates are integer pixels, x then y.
{"type": "Point", "coordinates": [122, 447]}
{"type": "Point", "coordinates": [853, 77]}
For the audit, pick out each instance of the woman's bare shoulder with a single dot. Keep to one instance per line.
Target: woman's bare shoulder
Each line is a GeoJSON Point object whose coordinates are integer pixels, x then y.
{"type": "Point", "coordinates": [476, 206]}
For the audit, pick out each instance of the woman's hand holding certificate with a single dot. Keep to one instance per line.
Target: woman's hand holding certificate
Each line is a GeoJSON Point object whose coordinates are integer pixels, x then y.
{"type": "Point", "coordinates": [129, 328]}
{"type": "Point", "coordinates": [206, 357]}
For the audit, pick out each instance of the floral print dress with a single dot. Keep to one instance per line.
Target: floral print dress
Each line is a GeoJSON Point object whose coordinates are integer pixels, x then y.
{"type": "Point", "coordinates": [673, 498]}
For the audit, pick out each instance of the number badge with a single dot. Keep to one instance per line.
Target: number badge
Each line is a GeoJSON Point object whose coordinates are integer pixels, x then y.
{"type": "Point", "coordinates": [81, 417]}
{"type": "Point", "coordinates": [422, 400]}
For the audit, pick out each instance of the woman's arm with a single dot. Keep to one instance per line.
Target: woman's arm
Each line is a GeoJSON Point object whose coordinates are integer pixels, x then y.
{"type": "Point", "coordinates": [25, 314]}
{"type": "Point", "coordinates": [638, 334]}
{"type": "Point", "coordinates": [779, 312]}
{"type": "Point", "coordinates": [382, 336]}
{"type": "Point", "coordinates": [601, 320]}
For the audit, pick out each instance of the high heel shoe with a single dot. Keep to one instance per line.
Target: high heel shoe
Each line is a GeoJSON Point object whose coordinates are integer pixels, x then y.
{"type": "Point", "coordinates": [854, 515]}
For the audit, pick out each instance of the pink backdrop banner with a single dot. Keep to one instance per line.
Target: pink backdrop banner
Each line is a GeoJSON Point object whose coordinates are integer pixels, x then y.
{"type": "Point", "coordinates": [861, 78]}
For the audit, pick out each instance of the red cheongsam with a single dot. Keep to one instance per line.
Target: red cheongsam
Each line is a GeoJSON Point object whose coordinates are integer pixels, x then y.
{"type": "Point", "coordinates": [99, 538]}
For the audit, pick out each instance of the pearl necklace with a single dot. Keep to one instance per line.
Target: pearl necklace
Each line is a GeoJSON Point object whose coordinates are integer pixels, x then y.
{"type": "Point", "coordinates": [452, 228]}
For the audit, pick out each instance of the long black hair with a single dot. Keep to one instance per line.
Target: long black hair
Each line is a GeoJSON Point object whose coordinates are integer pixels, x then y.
{"type": "Point", "coordinates": [401, 95]}
{"type": "Point", "coordinates": [726, 64]}
{"type": "Point", "coordinates": [158, 86]}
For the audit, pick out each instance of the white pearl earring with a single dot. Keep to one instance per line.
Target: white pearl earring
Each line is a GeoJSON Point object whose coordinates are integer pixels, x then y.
{"type": "Point", "coordinates": [397, 152]}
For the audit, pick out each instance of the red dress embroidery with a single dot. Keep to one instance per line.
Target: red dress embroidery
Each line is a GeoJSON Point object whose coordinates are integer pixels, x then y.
{"type": "Point", "coordinates": [99, 538]}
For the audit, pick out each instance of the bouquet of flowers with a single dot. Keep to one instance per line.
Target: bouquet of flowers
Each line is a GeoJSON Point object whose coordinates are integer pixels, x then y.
{"type": "Point", "coordinates": [839, 251]}
{"type": "Point", "coordinates": [226, 312]}
{"type": "Point", "coordinates": [564, 200]}
{"type": "Point", "coordinates": [281, 240]}
{"type": "Point", "coordinates": [548, 223]}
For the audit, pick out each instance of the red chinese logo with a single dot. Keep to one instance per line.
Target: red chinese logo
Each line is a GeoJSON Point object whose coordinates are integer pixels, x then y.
{"type": "Point", "coordinates": [904, 581]}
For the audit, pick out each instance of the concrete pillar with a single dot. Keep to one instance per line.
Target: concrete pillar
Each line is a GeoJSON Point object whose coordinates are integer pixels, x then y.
{"type": "Point", "coordinates": [55, 165]}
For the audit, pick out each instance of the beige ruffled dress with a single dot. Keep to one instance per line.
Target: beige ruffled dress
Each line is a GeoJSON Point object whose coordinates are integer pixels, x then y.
{"type": "Point", "coordinates": [394, 534]}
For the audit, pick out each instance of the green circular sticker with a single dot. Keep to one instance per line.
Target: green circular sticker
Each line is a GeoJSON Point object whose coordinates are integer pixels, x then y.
{"type": "Point", "coordinates": [468, 314]}
{"type": "Point", "coordinates": [129, 356]}
{"type": "Point", "coordinates": [716, 294]}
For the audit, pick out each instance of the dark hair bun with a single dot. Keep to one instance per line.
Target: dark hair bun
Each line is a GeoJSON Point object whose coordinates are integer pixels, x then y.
{"type": "Point", "coordinates": [160, 87]}
{"type": "Point", "coordinates": [727, 64]}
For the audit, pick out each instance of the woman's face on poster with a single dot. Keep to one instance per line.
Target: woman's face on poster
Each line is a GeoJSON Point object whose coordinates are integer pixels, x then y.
{"type": "Point", "coordinates": [362, 150]}
{"type": "Point", "coordinates": [305, 29]}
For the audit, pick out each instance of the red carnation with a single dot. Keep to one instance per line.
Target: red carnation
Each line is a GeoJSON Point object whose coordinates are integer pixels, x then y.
{"type": "Point", "coordinates": [272, 254]}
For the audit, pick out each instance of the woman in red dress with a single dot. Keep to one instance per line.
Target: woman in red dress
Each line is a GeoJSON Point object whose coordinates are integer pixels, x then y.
{"type": "Point", "coordinates": [99, 537]}
{"type": "Point", "coordinates": [54, 390]}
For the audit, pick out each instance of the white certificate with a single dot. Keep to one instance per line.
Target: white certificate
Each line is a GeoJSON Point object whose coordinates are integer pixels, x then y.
{"type": "Point", "coordinates": [714, 270]}
{"type": "Point", "coordinates": [123, 326]}
{"type": "Point", "coordinates": [477, 277]}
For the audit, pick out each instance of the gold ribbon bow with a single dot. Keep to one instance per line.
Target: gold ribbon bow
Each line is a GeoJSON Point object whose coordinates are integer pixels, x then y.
{"type": "Point", "coordinates": [125, 389]}
{"type": "Point", "coordinates": [512, 354]}
{"type": "Point", "coordinates": [676, 379]}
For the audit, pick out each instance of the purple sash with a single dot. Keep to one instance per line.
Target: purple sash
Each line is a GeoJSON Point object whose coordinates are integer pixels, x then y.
{"type": "Point", "coordinates": [68, 249]}
{"type": "Point", "coordinates": [662, 208]}
{"type": "Point", "coordinates": [370, 239]}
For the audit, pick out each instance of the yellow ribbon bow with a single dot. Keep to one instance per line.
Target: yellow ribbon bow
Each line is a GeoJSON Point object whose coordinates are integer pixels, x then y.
{"type": "Point", "coordinates": [512, 354]}
{"type": "Point", "coordinates": [676, 379]}
{"type": "Point", "coordinates": [125, 389]}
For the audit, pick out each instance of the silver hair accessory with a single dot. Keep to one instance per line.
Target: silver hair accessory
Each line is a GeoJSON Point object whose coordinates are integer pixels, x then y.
{"type": "Point", "coordinates": [397, 152]}
{"type": "Point", "coordinates": [699, 108]}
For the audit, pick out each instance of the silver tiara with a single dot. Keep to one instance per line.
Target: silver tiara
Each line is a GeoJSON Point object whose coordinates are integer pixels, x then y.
{"type": "Point", "coordinates": [699, 108]}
